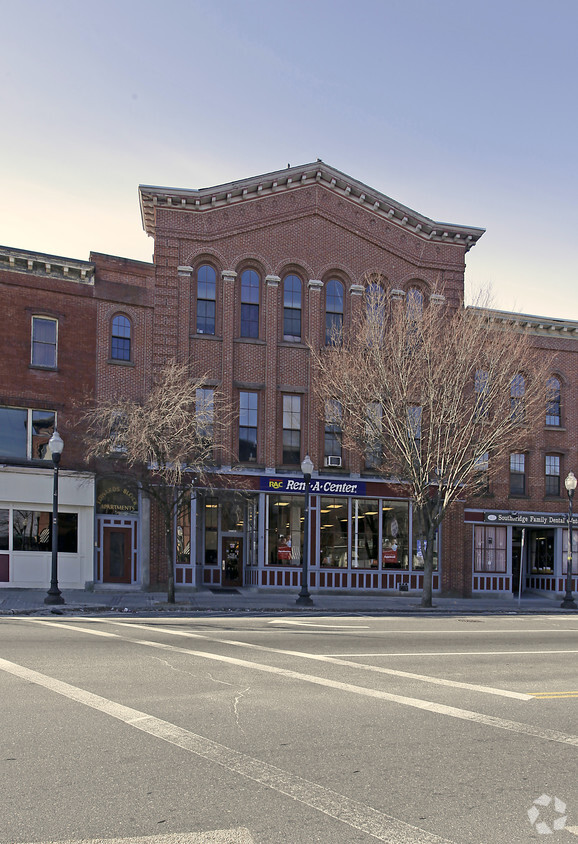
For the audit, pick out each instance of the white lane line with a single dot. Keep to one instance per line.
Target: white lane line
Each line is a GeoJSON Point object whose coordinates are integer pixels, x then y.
{"type": "Point", "coordinates": [415, 703]}
{"type": "Point", "coordinates": [331, 803]}
{"type": "Point", "coordinates": [452, 653]}
{"type": "Point", "coordinates": [330, 626]}
{"type": "Point", "coordinates": [240, 835]}
{"type": "Point", "coordinates": [376, 669]}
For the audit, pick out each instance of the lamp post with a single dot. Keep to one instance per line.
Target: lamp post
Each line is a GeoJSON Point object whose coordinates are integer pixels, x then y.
{"type": "Point", "coordinates": [304, 597]}
{"type": "Point", "coordinates": [54, 596]}
{"type": "Point", "coordinates": [569, 603]}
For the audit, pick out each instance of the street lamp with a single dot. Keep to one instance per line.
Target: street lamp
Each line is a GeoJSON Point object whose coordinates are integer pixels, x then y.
{"type": "Point", "coordinates": [54, 596]}
{"type": "Point", "coordinates": [304, 597]}
{"type": "Point", "coordinates": [568, 603]}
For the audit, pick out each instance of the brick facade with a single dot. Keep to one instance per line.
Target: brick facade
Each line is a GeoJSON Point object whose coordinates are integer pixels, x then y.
{"type": "Point", "coordinates": [312, 222]}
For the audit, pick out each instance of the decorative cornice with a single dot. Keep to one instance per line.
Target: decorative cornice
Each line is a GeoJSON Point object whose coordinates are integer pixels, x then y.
{"type": "Point", "coordinates": [356, 289]}
{"type": "Point", "coordinates": [293, 178]}
{"type": "Point", "coordinates": [562, 328]}
{"type": "Point", "coordinates": [228, 275]}
{"type": "Point", "coordinates": [40, 264]}
{"type": "Point", "coordinates": [315, 284]}
{"type": "Point", "coordinates": [272, 280]}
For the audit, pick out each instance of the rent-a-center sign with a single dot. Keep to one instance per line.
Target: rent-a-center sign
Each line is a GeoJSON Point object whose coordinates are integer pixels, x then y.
{"type": "Point", "coordinates": [317, 486]}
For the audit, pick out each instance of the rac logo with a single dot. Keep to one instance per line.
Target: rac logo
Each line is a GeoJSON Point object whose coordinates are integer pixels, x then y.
{"type": "Point", "coordinates": [275, 484]}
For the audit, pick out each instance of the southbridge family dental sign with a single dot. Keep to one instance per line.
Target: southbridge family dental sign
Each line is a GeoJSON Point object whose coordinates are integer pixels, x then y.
{"type": "Point", "coordinates": [530, 519]}
{"type": "Point", "coordinates": [317, 486]}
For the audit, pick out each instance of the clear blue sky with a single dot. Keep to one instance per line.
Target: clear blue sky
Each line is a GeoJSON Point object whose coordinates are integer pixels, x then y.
{"type": "Point", "coordinates": [464, 111]}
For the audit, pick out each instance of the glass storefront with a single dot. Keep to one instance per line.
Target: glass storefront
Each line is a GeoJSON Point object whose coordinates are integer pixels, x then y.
{"type": "Point", "coordinates": [333, 523]}
{"type": "Point", "coordinates": [285, 530]}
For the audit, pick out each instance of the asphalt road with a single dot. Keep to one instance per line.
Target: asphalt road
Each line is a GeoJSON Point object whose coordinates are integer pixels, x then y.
{"type": "Point", "coordinates": [325, 729]}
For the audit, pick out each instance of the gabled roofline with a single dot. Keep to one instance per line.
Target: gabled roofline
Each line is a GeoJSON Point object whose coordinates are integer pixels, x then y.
{"type": "Point", "coordinates": [317, 172]}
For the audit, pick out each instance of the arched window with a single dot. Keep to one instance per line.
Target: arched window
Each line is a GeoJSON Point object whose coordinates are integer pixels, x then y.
{"type": "Point", "coordinates": [120, 338]}
{"type": "Point", "coordinates": [292, 308]}
{"type": "Point", "coordinates": [249, 304]}
{"type": "Point", "coordinates": [553, 404]}
{"type": "Point", "coordinates": [334, 295]}
{"type": "Point", "coordinates": [206, 299]}
{"type": "Point", "coordinates": [517, 392]}
{"type": "Point", "coordinates": [414, 304]}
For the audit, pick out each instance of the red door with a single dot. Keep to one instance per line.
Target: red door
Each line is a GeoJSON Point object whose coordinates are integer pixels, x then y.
{"type": "Point", "coordinates": [117, 543]}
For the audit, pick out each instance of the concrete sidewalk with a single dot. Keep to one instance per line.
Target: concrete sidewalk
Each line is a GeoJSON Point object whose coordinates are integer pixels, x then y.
{"type": "Point", "coordinates": [247, 601]}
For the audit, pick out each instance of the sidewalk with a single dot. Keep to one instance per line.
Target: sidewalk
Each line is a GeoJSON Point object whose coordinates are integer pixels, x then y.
{"type": "Point", "coordinates": [246, 601]}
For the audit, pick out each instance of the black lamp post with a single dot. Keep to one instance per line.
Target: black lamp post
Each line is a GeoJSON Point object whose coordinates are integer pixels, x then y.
{"type": "Point", "coordinates": [304, 596]}
{"type": "Point", "coordinates": [54, 596]}
{"type": "Point", "coordinates": [569, 603]}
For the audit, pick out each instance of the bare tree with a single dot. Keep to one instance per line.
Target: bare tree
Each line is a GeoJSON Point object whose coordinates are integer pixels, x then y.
{"type": "Point", "coordinates": [431, 397]}
{"type": "Point", "coordinates": [166, 440]}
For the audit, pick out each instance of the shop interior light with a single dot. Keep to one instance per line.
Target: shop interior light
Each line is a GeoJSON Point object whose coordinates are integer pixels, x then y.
{"type": "Point", "coordinates": [334, 507]}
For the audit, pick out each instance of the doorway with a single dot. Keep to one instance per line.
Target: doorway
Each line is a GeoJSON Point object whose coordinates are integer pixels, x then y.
{"type": "Point", "coordinates": [117, 557]}
{"type": "Point", "coordinates": [232, 561]}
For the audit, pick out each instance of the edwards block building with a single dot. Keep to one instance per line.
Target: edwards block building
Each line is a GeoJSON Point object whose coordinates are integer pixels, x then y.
{"type": "Point", "coordinates": [243, 276]}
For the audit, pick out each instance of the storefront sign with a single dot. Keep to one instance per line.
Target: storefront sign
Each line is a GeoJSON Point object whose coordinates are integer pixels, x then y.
{"type": "Point", "coordinates": [529, 519]}
{"type": "Point", "coordinates": [318, 486]}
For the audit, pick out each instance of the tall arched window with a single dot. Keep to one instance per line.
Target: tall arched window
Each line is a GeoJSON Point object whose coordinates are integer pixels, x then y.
{"type": "Point", "coordinates": [249, 304]}
{"type": "Point", "coordinates": [334, 296]}
{"type": "Point", "coordinates": [553, 404]}
{"type": "Point", "coordinates": [206, 299]}
{"type": "Point", "coordinates": [292, 308]}
{"type": "Point", "coordinates": [414, 304]}
{"type": "Point", "coordinates": [120, 340]}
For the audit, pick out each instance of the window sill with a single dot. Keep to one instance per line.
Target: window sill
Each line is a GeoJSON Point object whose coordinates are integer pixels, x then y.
{"type": "Point", "coordinates": [198, 336]}
{"type": "Point", "coordinates": [255, 340]}
{"type": "Point", "coordinates": [554, 428]}
{"type": "Point", "coordinates": [115, 362]}
{"type": "Point", "coordinates": [524, 497]}
{"type": "Point", "coordinates": [43, 368]}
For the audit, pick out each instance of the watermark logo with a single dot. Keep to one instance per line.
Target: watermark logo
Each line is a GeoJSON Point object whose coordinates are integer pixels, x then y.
{"type": "Point", "coordinates": [547, 814]}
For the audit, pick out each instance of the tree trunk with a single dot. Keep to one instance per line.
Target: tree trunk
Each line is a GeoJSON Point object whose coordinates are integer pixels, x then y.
{"type": "Point", "coordinates": [427, 593]}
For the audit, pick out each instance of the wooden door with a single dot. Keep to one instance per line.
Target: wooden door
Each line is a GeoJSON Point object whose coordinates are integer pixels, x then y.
{"type": "Point", "coordinates": [117, 543]}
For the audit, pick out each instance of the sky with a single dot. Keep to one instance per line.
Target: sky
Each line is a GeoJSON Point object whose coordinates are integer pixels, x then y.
{"type": "Point", "coordinates": [464, 111]}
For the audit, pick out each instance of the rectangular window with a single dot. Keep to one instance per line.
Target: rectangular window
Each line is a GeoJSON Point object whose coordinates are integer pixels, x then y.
{"type": "Point", "coordinates": [44, 339]}
{"type": "Point", "coordinates": [394, 534]}
{"type": "Point", "coordinates": [365, 534]}
{"type": "Point", "coordinates": [373, 432]}
{"type": "Point", "coordinates": [420, 546]}
{"type": "Point", "coordinates": [184, 536]}
{"type": "Point", "coordinates": [490, 545]}
{"type": "Point", "coordinates": [574, 551]}
{"type": "Point", "coordinates": [333, 429]}
{"type": "Point", "coordinates": [211, 531]}
{"type": "Point", "coordinates": [4, 529]}
{"type": "Point", "coordinates": [481, 479]}
{"type": "Point", "coordinates": [517, 474]}
{"type": "Point", "coordinates": [205, 406]}
{"type": "Point", "coordinates": [24, 433]}
{"type": "Point", "coordinates": [248, 416]}
{"type": "Point", "coordinates": [292, 430]}
{"type": "Point", "coordinates": [285, 530]}
{"type": "Point", "coordinates": [32, 531]}
{"type": "Point", "coordinates": [333, 525]}
{"type": "Point", "coordinates": [552, 474]}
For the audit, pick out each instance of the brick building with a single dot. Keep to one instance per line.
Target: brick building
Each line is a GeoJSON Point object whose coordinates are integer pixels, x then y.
{"type": "Point", "coordinates": [243, 275]}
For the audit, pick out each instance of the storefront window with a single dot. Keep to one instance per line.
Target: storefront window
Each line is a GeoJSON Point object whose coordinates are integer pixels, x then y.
{"type": "Point", "coordinates": [333, 532]}
{"type": "Point", "coordinates": [419, 548]}
{"type": "Point", "coordinates": [574, 551]}
{"type": "Point", "coordinates": [211, 533]}
{"type": "Point", "coordinates": [365, 534]}
{"type": "Point", "coordinates": [32, 531]}
{"type": "Point", "coordinates": [285, 533]}
{"type": "Point", "coordinates": [252, 531]}
{"type": "Point", "coordinates": [394, 534]}
{"type": "Point", "coordinates": [184, 536]}
{"type": "Point", "coordinates": [490, 545]}
{"type": "Point", "coordinates": [4, 536]}
{"type": "Point", "coordinates": [232, 514]}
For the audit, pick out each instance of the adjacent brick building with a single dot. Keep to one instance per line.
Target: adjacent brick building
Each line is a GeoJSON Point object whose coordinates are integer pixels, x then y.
{"type": "Point", "coordinates": [243, 276]}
